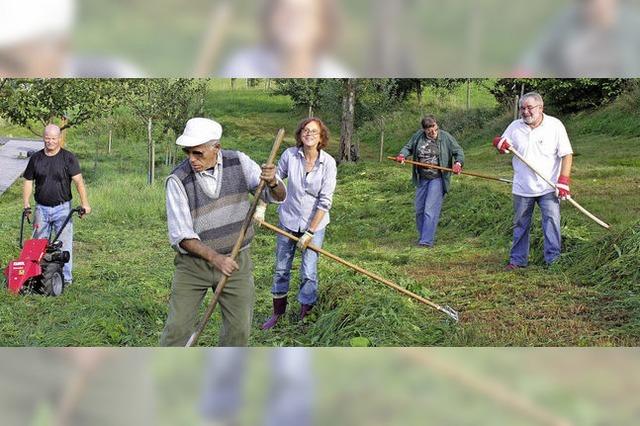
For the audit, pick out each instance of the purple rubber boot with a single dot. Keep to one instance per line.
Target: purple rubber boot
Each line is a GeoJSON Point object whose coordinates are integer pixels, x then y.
{"type": "Point", "coordinates": [304, 310]}
{"type": "Point", "coordinates": [279, 306]}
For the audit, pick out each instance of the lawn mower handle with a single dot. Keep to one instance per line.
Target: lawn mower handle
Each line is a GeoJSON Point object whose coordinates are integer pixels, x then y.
{"type": "Point", "coordinates": [80, 210]}
{"type": "Point", "coordinates": [25, 214]}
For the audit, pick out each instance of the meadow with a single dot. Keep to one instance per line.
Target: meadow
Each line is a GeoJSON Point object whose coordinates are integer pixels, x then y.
{"type": "Point", "coordinates": [124, 265]}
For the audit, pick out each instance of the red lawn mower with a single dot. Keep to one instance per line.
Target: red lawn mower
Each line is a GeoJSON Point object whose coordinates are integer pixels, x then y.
{"type": "Point", "coordinates": [39, 268]}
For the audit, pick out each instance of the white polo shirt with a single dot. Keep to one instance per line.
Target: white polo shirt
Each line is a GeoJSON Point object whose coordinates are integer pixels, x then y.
{"type": "Point", "coordinates": [543, 147]}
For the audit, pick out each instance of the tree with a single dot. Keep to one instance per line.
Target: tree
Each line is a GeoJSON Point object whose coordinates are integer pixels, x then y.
{"type": "Point", "coordinates": [562, 95]}
{"type": "Point", "coordinates": [71, 102]}
{"type": "Point", "coordinates": [188, 102]}
{"type": "Point", "coordinates": [303, 92]}
{"type": "Point", "coordinates": [163, 101]}
{"type": "Point", "coordinates": [348, 151]}
{"type": "Point", "coordinates": [377, 98]}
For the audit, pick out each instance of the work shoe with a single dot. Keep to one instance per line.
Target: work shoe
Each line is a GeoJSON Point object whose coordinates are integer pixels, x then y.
{"type": "Point", "coordinates": [304, 310]}
{"type": "Point", "coordinates": [279, 307]}
{"type": "Point", "coordinates": [512, 267]}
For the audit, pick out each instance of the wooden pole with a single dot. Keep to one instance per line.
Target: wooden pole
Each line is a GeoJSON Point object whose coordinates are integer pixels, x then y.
{"type": "Point", "coordinates": [236, 247]}
{"type": "Point", "coordinates": [446, 169]}
{"type": "Point", "coordinates": [445, 309]}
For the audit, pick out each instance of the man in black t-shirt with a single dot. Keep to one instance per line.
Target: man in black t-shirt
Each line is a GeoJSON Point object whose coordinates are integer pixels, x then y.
{"type": "Point", "coordinates": [53, 169]}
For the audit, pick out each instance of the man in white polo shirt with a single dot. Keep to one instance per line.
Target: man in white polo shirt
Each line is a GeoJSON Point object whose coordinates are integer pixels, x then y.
{"type": "Point", "coordinates": [542, 140]}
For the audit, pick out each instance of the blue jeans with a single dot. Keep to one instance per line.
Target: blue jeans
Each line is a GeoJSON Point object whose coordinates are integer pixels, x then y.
{"type": "Point", "coordinates": [49, 220]}
{"type": "Point", "coordinates": [429, 196]}
{"type": "Point", "coordinates": [285, 250]}
{"type": "Point", "coordinates": [550, 209]}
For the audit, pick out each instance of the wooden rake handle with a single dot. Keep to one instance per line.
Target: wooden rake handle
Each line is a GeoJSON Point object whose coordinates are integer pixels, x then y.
{"type": "Point", "coordinates": [553, 185]}
{"type": "Point", "coordinates": [236, 248]}
{"type": "Point", "coordinates": [446, 169]}
{"type": "Point", "coordinates": [445, 309]}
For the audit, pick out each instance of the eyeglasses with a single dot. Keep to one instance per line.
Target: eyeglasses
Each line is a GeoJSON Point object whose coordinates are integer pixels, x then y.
{"type": "Point", "coordinates": [529, 108]}
{"type": "Point", "coordinates": [307, 132]}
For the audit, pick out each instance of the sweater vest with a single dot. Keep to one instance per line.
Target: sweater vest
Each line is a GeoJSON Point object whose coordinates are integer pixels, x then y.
{"type": "Point", "coordinates": [218, 220]}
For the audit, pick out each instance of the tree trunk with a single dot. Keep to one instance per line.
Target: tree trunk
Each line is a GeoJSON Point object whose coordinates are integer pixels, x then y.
{"type": "Point", "coordinates": [515, 107]}
{"type": "Point", "coordinates": [310, 110]}
{"type": "Point", "coordinates": [382, 139]}
{"type": "Point", "coordinates": [152, 154]}
{"type": "Point", "coordinates": [419, 95]}
{"type": "Point", "coordinates": [233, 84]}
{"type": "Point", "coordinates": [468, 94]}
{"type": "Point", "coordinates": [348, 110]}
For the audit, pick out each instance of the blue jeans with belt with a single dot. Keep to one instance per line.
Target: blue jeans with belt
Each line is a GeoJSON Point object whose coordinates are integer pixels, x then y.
{"type": "Point", "coordinates": [285, 250]}
{"type": "Point", "coordinates": [48, 220]}
{"type": "Point", "coordinates": [550, 210]}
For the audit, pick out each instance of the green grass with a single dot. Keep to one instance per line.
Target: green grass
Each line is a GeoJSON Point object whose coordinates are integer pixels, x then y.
{"type": "Point", "coordinates": [124, 265]}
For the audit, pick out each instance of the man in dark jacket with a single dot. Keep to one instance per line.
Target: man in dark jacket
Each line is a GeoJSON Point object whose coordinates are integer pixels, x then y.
{"type": "Point", "coordinates": [431, 145]}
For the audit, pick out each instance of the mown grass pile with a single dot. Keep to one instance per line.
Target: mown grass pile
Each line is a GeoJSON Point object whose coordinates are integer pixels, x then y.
{"type": "Point", "coordinates": [611, 264]}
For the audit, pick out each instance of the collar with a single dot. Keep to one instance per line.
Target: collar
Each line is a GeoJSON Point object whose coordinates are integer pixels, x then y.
{"type": "Point", "coordinates": [320, 158]}
{"type": "Point", "coordinates": [210, 171]}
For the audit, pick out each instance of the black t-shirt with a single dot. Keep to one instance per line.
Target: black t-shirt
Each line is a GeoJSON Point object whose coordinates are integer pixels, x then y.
{"type": "Point", "coordinates": [52, 175]}
{"type": "Point", "coordinates": [428, 153]}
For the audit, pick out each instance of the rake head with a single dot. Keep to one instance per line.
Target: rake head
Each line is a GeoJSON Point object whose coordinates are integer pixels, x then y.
{"type": "Point", "coordinates": [451, 312]}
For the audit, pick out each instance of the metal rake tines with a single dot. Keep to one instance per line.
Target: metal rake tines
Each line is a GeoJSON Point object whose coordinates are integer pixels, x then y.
{"type": "Point", "coordinates": [451, 312]}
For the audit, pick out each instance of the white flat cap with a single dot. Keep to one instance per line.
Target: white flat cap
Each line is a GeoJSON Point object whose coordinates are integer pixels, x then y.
{"type": "Point", "coordinates": [198, 131]}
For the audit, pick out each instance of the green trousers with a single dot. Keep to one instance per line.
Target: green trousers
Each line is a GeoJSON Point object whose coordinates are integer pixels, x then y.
{"type": "Point", "coordinates": [192, 279]}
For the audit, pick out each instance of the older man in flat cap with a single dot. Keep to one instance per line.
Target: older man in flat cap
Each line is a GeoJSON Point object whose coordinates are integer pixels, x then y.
{"type": "Point", "coordinates": [207, 201]}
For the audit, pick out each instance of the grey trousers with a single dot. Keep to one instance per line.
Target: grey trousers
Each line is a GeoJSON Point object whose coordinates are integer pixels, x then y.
{"type": "Point", "coordinates": [191, 281]}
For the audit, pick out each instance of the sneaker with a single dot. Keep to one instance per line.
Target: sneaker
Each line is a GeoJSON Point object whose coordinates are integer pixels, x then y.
{"type": "Point", "coordinates": [512, 267]}
{"type": "Point", "coordinates": [423, 245]}
{"type": "Point", "coordinates": [68, 283]}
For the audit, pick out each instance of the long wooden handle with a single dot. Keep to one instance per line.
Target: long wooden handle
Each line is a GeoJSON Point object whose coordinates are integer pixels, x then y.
{"type": "Point", "coordinates": [447, 310]}
{"type": "Point", "coordinates": [446, 169]}
{"type": "Point", "coordinates": [236, 247]}
{"type": "Point", "coordinates": [553, 185]}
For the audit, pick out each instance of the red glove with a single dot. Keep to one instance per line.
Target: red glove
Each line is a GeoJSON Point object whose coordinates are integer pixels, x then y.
{"type": "Point", "coordinates": [562, 188]}
{"type": "Point", "coordinates": [400, 158]}
{"type": "Point", "coordinates": [501, 144]}
{"type": "Point", "coordinates": [457, 168]}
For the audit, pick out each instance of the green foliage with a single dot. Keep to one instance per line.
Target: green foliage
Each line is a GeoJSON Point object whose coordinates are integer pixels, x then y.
{"type": "Point", "coordinates": [303, 92]}
{"type": "Point", "coordinates": [563, 95]}
{"type": "Point", "coordinates": [24, 101]}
